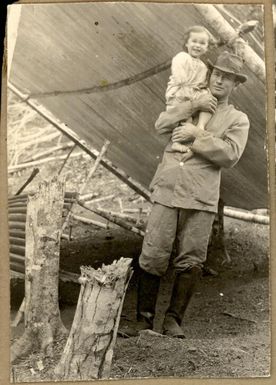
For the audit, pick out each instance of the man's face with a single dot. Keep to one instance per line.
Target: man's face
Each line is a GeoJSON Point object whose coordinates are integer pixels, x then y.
{"type": "Point", "coordinates": [222, 84]}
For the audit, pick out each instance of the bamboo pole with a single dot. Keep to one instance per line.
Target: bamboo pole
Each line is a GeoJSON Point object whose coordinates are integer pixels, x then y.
{"type": "Point", "coordinates": [50, 151]}
{"type": "Point", "coordinates": [228, 34]}
{"type": "Point", "coordinates": [17, 210]}
{"type": "Point", "coordinates": [120, 215]}
{"type": "Point", "coordinates": [17, 233]}
{"type": "Point", "coordinates": [111, 218]}
{"type": "Point", "coordinates": [16, 225]}
{"type": "Point", "coordinates": [88, 197]}
{"type": "Point", "coordinates": [89, 221]}
{"type": "Point", "coordinates": [42, 111]}
{"type": "Point", "coordinates": [246, 216]}
{"type": "Point", "coordinates": [18, 267]}
{"type": "Point", "coordinates": [97, 200]}
{"type": "Point", "coordinates": [17, 217]}
{"type": "Point", "coordinates": [17, 258]}
{"type": "Point", "coordinates": [17, 241]}
{"type": "Point", "coordinates": [23, 166]}
{"type": "Point", "coordinates": [17, 250]}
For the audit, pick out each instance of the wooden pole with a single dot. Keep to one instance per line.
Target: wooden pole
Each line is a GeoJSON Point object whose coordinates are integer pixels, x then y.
{"type": "Point", "coordinates": [89, 348]}
{"type": "Point", "coordinates": [228, 34]}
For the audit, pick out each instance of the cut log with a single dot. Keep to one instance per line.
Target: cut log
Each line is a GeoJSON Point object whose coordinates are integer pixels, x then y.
{"type": "Point", "coordinates": [89, 348]}
{"type": "Point", "coordinates": [43, 325]}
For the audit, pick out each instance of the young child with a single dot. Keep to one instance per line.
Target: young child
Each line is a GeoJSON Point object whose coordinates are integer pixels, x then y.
{"type": "Point", "coordinates": [188, 75]}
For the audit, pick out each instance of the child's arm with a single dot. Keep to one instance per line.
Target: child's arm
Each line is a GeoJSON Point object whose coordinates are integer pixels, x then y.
{"type": "Point", "coordinates": [179, 67]}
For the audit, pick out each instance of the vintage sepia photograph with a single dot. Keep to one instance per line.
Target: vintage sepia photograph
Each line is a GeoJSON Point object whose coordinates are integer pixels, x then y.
{"type": "Point", "coordinates": [138, 202]}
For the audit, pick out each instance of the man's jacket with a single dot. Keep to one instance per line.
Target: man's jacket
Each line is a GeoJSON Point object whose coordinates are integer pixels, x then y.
{"type": "Point", "coordinates": [194, 183]}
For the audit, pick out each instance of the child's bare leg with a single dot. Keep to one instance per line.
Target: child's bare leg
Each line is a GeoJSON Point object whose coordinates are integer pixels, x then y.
{"type": "Point", "coordinates": [203, 119]}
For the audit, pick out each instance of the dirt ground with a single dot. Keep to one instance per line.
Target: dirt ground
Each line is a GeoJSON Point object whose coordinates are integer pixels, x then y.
{"type": "Point", "coordinates": [227, 324]}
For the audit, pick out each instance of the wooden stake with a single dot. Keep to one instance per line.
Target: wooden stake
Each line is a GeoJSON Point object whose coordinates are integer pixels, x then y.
{"type": "Point", "coordinates": [28, 181]}
{"type": "Point", "coordinates": [19, 315]}
{"type": "Point", "coordinates": [89, 348]}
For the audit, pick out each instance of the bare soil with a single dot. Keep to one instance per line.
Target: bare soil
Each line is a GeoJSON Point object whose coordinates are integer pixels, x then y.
{"type": "Point", "coordinates": [227, 324]}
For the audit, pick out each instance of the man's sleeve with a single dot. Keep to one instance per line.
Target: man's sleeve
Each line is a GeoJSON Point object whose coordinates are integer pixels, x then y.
{"type": "Point", "coordinates": [226, 151]}
{"type": "Point", "coordinates": [170, 119]}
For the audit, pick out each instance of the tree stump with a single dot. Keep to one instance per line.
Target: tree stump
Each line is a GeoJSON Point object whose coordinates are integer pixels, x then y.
{"type": "Point", "coordinates": [89, 349]}
{"type": "Point", "coordinates": [43, 324]}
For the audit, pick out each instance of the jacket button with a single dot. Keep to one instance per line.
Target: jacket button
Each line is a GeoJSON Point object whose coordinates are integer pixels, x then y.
{"type": "Point", "coordinates": [181, 164]}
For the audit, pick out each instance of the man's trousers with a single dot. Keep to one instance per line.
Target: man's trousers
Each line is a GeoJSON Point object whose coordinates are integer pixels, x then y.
{"type": "Point", "coordinates": [188, 229]}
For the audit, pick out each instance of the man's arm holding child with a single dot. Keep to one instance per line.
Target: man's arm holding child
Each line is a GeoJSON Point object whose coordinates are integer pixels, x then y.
{"type": "Point", "coordinates": [168, 120]}
{"type": "Point", "coordinates": [225, 151]}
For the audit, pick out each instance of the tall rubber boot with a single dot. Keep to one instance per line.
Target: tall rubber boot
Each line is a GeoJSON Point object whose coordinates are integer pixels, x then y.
{"type": "Point", "coordinates": [183, 289]}
{"type": "Point", "coordinates": [148, 287]}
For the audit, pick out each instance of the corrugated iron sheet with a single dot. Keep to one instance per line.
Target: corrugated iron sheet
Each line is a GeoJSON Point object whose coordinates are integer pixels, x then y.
{"type": "Point", "coordinates": [63, 50]}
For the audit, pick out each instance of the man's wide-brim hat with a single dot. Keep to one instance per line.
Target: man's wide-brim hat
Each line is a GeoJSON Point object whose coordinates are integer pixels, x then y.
{"type": "Point", "coordinates": [229, 63]}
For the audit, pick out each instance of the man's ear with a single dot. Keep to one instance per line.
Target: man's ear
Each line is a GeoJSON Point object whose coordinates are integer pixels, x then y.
{"type": "Point", "coordinates": [237, 83]}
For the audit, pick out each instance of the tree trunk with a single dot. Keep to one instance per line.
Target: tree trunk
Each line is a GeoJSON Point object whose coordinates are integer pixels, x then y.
{"type": "Point", "coordinates": [89, 349]}
{"type": "Point", "coordinates": [43, 324]}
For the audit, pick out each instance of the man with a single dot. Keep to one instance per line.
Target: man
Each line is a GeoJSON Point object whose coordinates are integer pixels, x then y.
{"type": "Point", "coordinates": [186, 192]}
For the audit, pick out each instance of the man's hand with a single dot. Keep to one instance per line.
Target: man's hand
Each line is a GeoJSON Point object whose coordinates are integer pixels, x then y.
{"type": "Point", "coordinates": [185, 133]}
{"type": "Point", "coordinates": [207, 103]}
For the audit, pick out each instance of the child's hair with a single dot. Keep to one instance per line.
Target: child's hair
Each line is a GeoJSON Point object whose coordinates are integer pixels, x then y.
{"type": "Point", "coordinates": [197, 28]}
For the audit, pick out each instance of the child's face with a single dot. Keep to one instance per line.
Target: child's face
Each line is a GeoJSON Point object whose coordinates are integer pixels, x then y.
{"type": "Point", "coordinates": [197, 44]}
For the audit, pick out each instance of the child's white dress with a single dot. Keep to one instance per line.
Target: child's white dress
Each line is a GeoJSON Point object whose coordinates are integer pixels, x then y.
{"type": "Point", "coordinates": [188, 79]}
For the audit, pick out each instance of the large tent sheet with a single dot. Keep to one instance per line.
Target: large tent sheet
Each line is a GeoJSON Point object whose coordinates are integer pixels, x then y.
{"type": "Point", "coordinates": [102, 69]}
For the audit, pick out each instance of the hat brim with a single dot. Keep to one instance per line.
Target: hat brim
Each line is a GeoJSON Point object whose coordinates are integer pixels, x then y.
{"type": "Point", "coordinates": [241, 77]}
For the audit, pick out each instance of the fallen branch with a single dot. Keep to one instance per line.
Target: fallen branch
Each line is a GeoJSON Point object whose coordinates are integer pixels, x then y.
{"type": "Point", "coordinates": [238, 317]}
